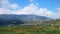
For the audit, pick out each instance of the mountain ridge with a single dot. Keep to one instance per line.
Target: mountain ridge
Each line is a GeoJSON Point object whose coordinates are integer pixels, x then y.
{"type": "Point", "coordinates": [21, 19]}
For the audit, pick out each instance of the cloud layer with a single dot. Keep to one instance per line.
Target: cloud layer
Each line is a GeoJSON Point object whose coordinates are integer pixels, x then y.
{"type": "Point", "coordinates": [7, 8]}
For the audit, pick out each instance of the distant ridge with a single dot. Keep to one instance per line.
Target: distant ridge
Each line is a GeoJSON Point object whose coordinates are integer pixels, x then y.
{"type": "Point", "coordinates": [6, 19]}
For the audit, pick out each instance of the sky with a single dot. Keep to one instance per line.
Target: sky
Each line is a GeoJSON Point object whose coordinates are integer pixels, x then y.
{"type": "Point", "coordinates": [48, 8]}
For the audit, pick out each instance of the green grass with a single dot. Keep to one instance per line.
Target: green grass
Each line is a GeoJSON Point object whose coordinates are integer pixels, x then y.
{"type": "Point", "coordinates": [30, 30]}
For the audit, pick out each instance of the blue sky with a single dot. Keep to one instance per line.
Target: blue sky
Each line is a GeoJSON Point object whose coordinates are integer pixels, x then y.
{"type": "Point", "coordinates": [49, 8]}
{"type": "Point", "coordinates": [50, 4]}
{"type": "Point", "coordinates": [21, 3]}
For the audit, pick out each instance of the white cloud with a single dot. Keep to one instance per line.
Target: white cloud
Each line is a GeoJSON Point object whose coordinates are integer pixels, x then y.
{"type": "Point", "coordinates": [7, 4]}
{"type": "Point", "coordinates": [2, 10]}
{"type": "Point", "coordinates": [13, 6]}
{"type": "Point", "coordinates": [31, 1]}
{"type": "Point", "coordinates": [6, 11]}
{"type": "Point", "coordinates": [33, 9]}
{"type": "Point", "coordinates": [58, 9]}
{"type": "Point", "coordinates": [57, 14]}
{"type": "Point", "coordinates": [30, 9]}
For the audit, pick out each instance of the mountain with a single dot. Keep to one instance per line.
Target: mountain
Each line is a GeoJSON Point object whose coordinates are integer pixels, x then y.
{"type": "Point", "coordinates": [31, 17]}
{"type": "Point", "coordinates": [25, 17]}
{"type": "Point", "coordinates": [20, 19]}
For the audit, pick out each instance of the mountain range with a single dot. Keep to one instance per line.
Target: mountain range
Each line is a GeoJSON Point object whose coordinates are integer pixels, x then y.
{"type": "Point", "coordinates": [6, 19]}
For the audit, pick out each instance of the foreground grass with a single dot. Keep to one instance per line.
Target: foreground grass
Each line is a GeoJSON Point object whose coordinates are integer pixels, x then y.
{"type": "Point", "coordinates": [30, 30]}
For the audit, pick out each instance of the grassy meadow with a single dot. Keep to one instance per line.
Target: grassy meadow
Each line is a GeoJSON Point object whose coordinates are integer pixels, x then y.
{"type": "Point", "coordinates": [30, 30]}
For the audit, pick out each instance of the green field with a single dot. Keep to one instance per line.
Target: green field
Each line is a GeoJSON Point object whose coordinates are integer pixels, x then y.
{"type": "Point", "coordinates": [30, 30]}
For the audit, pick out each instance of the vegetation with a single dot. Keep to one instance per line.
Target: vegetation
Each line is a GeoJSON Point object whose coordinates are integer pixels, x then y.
{"type": "Point", "coordinates": [30, 30]}
{"type": "Point", "coordinates": [16, 26]}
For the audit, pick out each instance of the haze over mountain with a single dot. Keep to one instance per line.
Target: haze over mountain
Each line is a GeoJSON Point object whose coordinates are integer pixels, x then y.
{"type": "Point", "coordinates": [20, 19]}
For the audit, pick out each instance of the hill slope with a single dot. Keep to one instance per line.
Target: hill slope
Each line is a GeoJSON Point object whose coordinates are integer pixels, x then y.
{"type": "Point", "coordinates": [20, 19]}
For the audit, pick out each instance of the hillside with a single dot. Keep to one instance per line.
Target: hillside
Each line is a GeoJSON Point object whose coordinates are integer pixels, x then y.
{"type": "Point", "coordinates": [45, 23]}
{"type": "Point", "coordinates": [22, 19]}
